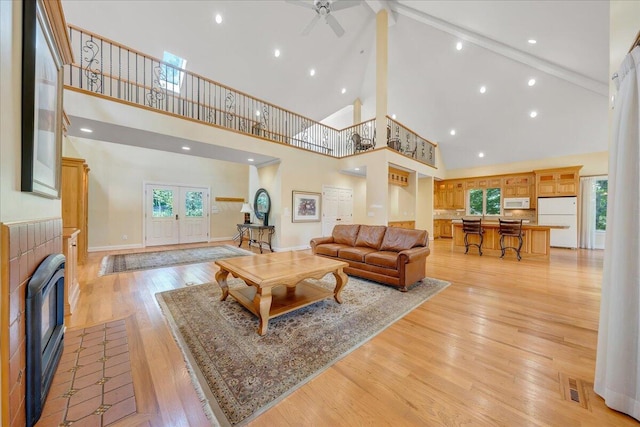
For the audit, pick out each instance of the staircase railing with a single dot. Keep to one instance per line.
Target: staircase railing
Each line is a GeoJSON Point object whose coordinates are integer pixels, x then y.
{"type": "Point", "coordinates": [109, 68]}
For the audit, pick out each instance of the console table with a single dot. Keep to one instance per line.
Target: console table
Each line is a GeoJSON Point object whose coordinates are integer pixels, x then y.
{"type": "Point", "coordinates": [257, 234]}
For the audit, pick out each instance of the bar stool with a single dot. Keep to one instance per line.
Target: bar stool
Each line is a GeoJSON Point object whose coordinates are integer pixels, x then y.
{"type": "Point", "coordinates": [472, 226]}
{"type": "Point", "coordinates": [510, 228]}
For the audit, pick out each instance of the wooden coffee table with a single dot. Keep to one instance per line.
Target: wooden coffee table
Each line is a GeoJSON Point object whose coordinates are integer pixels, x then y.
{"type": "Point", "coordinates": [276, 282]}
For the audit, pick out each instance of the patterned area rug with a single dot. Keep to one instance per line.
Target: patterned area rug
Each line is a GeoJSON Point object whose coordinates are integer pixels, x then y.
{"type": "Point", "coordinates": [240, 374]}
{"type": "Point", "coordinates": [147, 260]}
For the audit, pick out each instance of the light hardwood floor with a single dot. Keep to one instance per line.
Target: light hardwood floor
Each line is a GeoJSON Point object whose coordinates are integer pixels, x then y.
{"type": "Point", "coordinates": [494, 348]}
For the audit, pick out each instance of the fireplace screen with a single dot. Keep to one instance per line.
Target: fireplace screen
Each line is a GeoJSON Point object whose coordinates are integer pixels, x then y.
{"type": "Point", "coordinates": [44, 331]}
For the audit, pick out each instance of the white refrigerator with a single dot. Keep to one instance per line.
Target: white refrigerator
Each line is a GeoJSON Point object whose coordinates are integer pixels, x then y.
{"type": "Point", "coordinates": [560, 211]}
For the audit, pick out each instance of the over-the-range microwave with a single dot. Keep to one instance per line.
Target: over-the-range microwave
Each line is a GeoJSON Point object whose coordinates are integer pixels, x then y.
{"type": "Point", "coordinates": [516, 203]}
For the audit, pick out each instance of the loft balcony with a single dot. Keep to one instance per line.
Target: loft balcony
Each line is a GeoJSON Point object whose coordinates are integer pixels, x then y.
{"type": "Point", "coordinates": [108, 69]}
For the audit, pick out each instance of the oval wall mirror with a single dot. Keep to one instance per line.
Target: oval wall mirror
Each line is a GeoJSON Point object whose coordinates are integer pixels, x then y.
{"type": "Point", "coordinates": [262, 205]}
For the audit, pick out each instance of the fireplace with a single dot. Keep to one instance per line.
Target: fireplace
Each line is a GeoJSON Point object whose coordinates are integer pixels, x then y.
{"type": "Point", "coordinates": [44, 331]}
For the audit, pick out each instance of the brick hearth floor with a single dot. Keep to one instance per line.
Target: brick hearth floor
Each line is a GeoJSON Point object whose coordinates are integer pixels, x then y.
{"type": "Point", "coordinates": [92, 386]}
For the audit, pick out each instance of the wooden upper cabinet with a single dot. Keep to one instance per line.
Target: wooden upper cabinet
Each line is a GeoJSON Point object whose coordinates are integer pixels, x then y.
{"type": "Point", "coordinates": [449, 195]}
{"type": "Point", "coordinates": [75, 201]}
{"type": "Point", "coordinates": [558, 182]}
{"type": "Point", "coordinates": [519, 186]}
{"type": "Point", "coordinates": [398, 177]}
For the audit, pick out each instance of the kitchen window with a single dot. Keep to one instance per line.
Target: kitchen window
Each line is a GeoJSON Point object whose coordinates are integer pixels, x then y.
{"type": "Point", "coordinates": [484, 202]}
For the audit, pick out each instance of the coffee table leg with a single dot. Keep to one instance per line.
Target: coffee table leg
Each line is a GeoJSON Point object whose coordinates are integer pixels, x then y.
{"type": "Point", "coordinates": [262, 304]}
{"type": "Point", "coordinates": [341, 280]}
{"type": "Point", "coordinates": [221, 278]}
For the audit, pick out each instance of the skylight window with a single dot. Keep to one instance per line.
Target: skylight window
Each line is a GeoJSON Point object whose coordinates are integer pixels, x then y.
{"type": "Point", "coordinates": [171, 74]}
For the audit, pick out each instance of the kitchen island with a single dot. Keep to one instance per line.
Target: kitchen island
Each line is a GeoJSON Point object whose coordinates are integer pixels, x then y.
{"type": "Point", "coordinates": [535, 240]}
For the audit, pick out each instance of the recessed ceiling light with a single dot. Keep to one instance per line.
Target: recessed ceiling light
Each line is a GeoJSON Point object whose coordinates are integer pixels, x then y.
{"type": "Point", "coordinates": [459, 46]}
{"type": "Point", "coordinates": [87, 130]}
{"type": "Point", "coordinates": [357, 169]}
{"type": "Point", "coordinates": [481, 154]}
{"type": "Point", "coordinates": [276, 53]}
{"type": "Point", "coordinates": [258, 113]}
{"type": "Point", "coordinates": [218, 19]}
{"type": "Point", "coordinates": [393, 116]}
{"type": "Point", "coordinates": [185, 148]}
{"type": "Point", "coordinates": [483, 89]}
{"type": "Point", "coordinates": [344, 90]}
{"type": "Point", "coordinates": [533, 114]}
{"type": "Point", "coordinates": [250, 160]}
{"type": "Point", "coordinates": [312, 72]}
{"type": "Point", "coordinates": [531, 82]}
{"type": "Point", "coordinates": [453, 132]}
{"type": "Point", "coordinates": [532, 41]}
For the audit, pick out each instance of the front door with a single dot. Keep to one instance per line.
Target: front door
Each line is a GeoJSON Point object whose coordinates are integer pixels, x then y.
{"type": "Point", "coordinates": [176, 214]}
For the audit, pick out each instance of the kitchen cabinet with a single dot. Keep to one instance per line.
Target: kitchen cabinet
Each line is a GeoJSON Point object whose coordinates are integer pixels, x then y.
{"type": "Point", "coordinates": [558, 182]}
{"type": "Point", "coordinates": [449, 195]}
{"type": "Point", "coordinates": [519, 186]}
{"type": "Point", "coordinates": [411, 225]}
{"type": "Point", "coordinates": [442, 228]}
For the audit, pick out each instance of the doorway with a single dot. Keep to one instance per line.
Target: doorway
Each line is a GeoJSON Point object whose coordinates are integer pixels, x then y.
{"type": "Point", "coordinates": [176, 214]}
{"type": "Point", "coordinates": [337, 207]}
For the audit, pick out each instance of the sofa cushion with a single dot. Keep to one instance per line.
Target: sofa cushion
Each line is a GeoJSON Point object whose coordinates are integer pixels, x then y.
{"type": "Point", "coordinates": [329, 249]}
{"type": "Point", "coordinates": [356, 253]}
{"type": "Point", "coordinates": [370, 236]}
{"type": "Point", "coordinates": [400, 239]}
{"type": "Point", "coordinates": [345, 234]}
{"type": "Point", "coordinates": [388, 259]}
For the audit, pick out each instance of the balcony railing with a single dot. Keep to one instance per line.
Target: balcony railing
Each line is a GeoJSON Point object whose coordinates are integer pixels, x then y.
{"type": "Point", "coordinates": [108, 68]}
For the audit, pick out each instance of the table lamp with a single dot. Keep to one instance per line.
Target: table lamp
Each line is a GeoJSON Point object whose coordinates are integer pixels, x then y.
{"type": "Point", "coordinates": [246, 209]}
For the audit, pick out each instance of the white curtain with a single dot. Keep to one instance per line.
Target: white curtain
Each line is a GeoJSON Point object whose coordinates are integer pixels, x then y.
{"type": "Point", "coordinates": [617, 377]}
{"type": "Point", "coordinates": [588, 212]}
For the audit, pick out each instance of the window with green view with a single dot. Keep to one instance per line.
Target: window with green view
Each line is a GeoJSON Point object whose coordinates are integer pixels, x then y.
{"type": "Point", "coordinates": [485, 202]}
{"type": "Point", "coordinates": [601, 189]}
{"type": "Point", "coordinates": [193, 203]}
{"type": "Point", "coordinates": [162, 203]}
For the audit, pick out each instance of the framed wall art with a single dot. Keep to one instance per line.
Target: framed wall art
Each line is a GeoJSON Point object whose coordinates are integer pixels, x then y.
{"type": "Point", "coordinates": [41, 104]}
{"type": "Point", "coordinates": [305, 207]}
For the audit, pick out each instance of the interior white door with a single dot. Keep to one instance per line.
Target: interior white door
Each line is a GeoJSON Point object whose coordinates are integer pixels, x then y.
{"type": "Point", "coordinates": [176, 214]}
{"type": "Point", "coordinates": [193, 218]}
{"type": "Point", "coordinates": [337, 208]}
{"type": "Point", "coordinates": [162, 215]}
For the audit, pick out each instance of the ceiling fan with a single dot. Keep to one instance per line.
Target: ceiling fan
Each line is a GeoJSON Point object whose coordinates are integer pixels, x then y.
{"type": "Point", "coordinates": [323, 9]}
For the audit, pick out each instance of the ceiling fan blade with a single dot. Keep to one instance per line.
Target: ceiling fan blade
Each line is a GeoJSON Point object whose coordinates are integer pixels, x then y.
{"type": "Point", "coordinates": [302, 3]}
{"type": "Point", "coordinates": [339, 5]}
{"type": "Point", "coordinates": [333, 23]}
{"type": "Point", "coordinates": [312, 24]}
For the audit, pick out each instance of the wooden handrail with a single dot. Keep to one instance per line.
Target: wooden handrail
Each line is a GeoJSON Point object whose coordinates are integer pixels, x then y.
{"type": "Point", "coordinates": [195, 75]}
{"type": "Point", "coordinates": [435, 144]}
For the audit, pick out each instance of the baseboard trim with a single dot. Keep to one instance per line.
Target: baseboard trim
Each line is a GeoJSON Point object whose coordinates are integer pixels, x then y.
{"type": "Point", "coordinates": [291, 248]}
{"type": "Point", "coordinates": [114, 247]}
{"type": "Point", "coordinates": [220, 239]}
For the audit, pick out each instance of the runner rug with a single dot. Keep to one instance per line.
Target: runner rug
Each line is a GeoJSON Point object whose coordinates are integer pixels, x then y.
{"type": "Point", "coordinates": [240, 374]}
{"type": "Point", "coordinates": [148, 260]}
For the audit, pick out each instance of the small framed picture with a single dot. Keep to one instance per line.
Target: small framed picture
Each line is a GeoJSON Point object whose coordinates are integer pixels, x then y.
{"type": "Point", "coordinates": [305, 207]}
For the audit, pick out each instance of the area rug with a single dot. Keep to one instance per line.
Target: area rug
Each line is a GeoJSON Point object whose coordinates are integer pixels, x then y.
{"type": "Point", "coordinates": [240, 374]}
{"type": "Point", "coordinates": [148, 260]}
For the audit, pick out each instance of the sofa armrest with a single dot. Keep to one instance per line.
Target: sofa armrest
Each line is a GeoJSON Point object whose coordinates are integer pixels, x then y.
{"type": "Point", "coordinates": [320, 240]}
{"type": "Point", "coordinates": [413, 254]}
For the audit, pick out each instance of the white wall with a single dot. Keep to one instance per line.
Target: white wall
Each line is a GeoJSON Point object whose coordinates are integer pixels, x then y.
{"type": "Point", "coordinates": [592, 164]}
{"type": "Point", "coordinates": [14, 204]}
{"type": "Point", "coordinates": [116, 180]}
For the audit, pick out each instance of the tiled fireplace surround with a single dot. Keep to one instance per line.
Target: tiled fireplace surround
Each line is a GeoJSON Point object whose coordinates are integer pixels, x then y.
{"type": "Point", "coordinates": [24, 246]}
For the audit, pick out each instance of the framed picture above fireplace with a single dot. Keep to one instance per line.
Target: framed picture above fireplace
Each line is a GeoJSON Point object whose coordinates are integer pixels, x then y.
{"type": "Point", "coordinates": [41, 104]}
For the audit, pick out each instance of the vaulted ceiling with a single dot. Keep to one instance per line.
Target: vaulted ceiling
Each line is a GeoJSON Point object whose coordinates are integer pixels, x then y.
{"type": "Point", "coordinates": [433, 87]}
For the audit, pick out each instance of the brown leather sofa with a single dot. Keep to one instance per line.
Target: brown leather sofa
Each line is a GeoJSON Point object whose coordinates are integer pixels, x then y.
{"type": "Point", "coordinates": [394, 256]}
